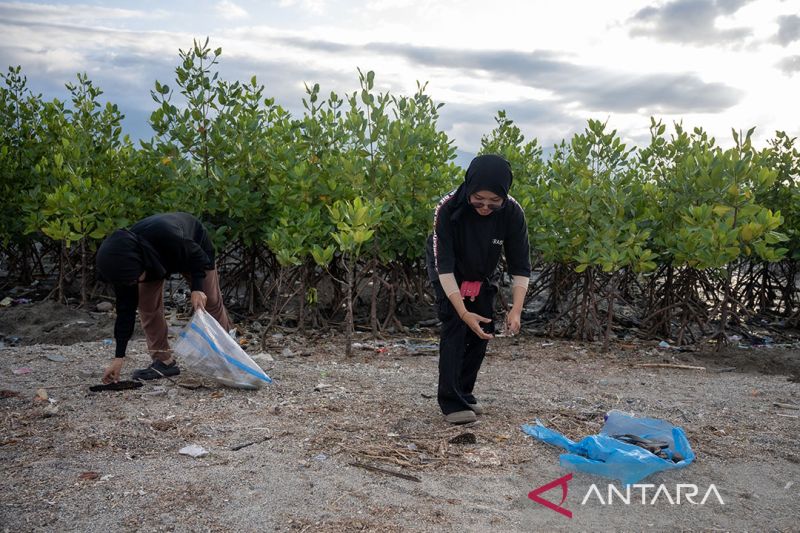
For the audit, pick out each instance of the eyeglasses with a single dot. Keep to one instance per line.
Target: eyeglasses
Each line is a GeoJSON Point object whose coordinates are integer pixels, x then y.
{"type": "Point", "coordinates": [487, 205]}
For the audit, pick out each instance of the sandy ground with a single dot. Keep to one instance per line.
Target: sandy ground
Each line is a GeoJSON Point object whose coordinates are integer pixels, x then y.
{"type": "Point", "coordinates": [109, 461]}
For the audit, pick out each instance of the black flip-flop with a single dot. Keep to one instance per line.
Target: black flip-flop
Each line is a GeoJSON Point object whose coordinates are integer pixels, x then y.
{"type": "Point", "coordinates": [116, 386]}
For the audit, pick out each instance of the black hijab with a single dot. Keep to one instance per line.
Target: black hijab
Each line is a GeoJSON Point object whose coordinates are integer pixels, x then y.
{"type": "Point", "coordinates": [123, 257]}
{"type": "Point", "coordinates": [485, 173]}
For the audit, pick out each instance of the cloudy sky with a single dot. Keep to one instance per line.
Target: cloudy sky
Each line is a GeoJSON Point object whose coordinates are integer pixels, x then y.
{"type": "Point", "coordinates": [719, 64]}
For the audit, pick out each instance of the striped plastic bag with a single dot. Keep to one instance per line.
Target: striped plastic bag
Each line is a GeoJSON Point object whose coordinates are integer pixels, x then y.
{"type": "Point", "coordinates": [206, 348]}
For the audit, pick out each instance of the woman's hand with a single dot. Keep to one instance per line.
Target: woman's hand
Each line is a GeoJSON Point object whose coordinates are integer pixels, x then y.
{"type": "Point", "coordinates": [111, 375]}
{"type": "Point", "coordinates": [513, 322]}
{"type": "Point", "coordinates": [474, 321]}
{"type": "Point", "coordinates": [199, 300]}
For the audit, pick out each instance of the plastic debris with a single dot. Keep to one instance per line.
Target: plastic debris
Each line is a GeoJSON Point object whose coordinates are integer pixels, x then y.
{"type": "Point", "coordinates": [108, 342]}
{"type": "Point", "coordinates": [193, 450]}
{"type": "Point", "coordinates": [664, 344]}
{"type": "Point", "coordinates": [21, 371]}
{"type": "Point", "coordinates": [6, 302]}
{"type": "Point", "coordinates": [56, 358]}
{"type": "Point", "coordinates": [606, 456]}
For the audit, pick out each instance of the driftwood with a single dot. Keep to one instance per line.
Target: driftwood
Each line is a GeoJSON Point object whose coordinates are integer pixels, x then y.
{"type": "Point", "coordinates": [385, 471]}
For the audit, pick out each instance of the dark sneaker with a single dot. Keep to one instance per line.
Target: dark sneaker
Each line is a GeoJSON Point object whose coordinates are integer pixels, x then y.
{"type": "Point", "coordinates": [476, 408]}
{"type": "Point", "coordinates": [157, 370]}
{"type": "Point", "coordinates": [461, 417]}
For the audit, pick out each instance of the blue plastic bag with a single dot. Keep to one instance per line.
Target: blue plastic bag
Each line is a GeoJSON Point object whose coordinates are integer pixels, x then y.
{"type": "Point", "coordinates": [606, 456]}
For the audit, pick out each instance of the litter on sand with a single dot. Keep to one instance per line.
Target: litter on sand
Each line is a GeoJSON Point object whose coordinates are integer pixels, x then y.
{"type": "Point", "coordinates": [628, 448]}
{"type": "Point", "coordinates": [193, 450]}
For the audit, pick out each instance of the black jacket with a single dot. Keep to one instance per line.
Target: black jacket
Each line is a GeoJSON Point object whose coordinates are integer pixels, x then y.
{"type": "Point", "coordinates": [158, 245]}
{"type": "Point", "coordinates": [469, 245]}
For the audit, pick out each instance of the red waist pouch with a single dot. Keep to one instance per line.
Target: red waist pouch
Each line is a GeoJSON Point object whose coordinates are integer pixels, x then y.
{"type": "Point", "coordinates": [470, 289]}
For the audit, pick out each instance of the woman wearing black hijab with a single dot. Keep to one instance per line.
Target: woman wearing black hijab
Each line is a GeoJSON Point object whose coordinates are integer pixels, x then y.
{"type": "Point", "coordinates": [472, 225]}
{"type": "Point", "coordinates": [137, 261]}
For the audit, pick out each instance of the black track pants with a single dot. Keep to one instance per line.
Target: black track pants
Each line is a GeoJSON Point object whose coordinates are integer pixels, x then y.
{"type": "Point", "coordinates": [461, 352]}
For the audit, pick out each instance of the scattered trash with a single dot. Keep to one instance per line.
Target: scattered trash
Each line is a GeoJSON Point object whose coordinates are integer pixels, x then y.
{"type": "Point", "coordinates": [320, 457]}
{"type": "Point", "coordinates": [6, 302]}
{"type": "Point", "coordinates": [21, 301]}
{"type": "Point", "coordinates": [607, 456]}
{"type": "Point", "coordinates": [108, 342]}
{"type": "Point", "coordinates": [287, 352]}
{"type": "Point", "coordinates": [56, 358]}
{"type": "Point", "coordinates": [50, 410]}
{"type": "Point", "coordinates": [13, 341]}
{"type": "Point", "coordinates": [464, 438]}
{"type": "Point", "coordinates": [761, 341]}
{"type": "Point", "coordinates": [89, 476]}
{"type": "Point", "coordinates": [412, 447]}
{"type": "Point", "coordinates": [106, 477]}
{"type": "Point", "coordinates": [657, 447]}
{"type": "Point", "coordinates": [104, 307]}
{"type": "Point", "coordinates": [156, 391]}
{"type": "Point", "coordinates": [22, 371]}
{"type": "Point", "coordinates": [116, 386]}
{"type": "Point", "coordinates": [321, 386]}
{"type": "Point", "coordinates": [206, 348]}
{"type": "Point", "coordinates": [41, 395]}
{"type": "Point", "coordinates": [193, 450]}
{"type": "Point", "coordinates": [414, 346]}
{"type": "Point", "coordinates": [546, 344]}
{"type": "Point", "coordinates": [664, 344]}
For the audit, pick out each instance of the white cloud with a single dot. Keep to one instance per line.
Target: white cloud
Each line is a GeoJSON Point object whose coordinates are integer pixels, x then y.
{"type": "Point", "coordinates": [316, 7]}
{"type": "Point", "coordinates": [230, 11]}
{"type": "Point", "coordinates": [477, 58]}
{"type": "Point", "coordinates": [71, 14]}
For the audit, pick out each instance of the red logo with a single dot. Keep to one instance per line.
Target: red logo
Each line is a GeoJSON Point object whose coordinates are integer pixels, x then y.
{"type": "Point", "coordinates": [562, 481]}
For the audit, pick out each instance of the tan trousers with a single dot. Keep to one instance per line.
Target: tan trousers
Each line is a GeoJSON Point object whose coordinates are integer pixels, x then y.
{"type": "Point", "coordinates": [151, 312]}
